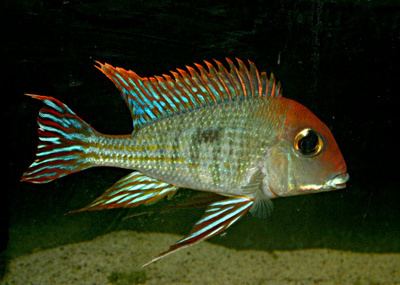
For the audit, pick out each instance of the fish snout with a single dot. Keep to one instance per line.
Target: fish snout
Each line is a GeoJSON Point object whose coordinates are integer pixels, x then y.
{"type": "Point", "coordinates": [338, 181]}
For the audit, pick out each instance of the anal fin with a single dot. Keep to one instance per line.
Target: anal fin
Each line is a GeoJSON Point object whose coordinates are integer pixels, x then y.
{"type": "Point", "coordinates": [132, 190]}
{"type": "Point", "coordinates": [217, 218]}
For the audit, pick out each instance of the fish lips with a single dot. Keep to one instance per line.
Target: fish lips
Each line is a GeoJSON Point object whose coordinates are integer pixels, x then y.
{"type": "Point", "coordinates": [337, 182]}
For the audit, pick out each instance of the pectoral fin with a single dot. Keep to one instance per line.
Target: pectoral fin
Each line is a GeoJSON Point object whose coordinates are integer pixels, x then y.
{"type": "Point", "coordinates": [132, 190]}
{"type": "Point", "coordinates": [263, 206]}
{"type": "Point", "coordinates": [217, 217]}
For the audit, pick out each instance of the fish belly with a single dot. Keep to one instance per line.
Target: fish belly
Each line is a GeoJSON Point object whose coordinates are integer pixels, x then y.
{"type": "Point", "coordinates": [211, 149]}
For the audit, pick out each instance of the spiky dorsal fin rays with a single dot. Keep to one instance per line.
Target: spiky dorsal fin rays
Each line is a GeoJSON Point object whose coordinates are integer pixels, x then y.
{"type": "Point", "coordinates": [216, 219]}
{"type": "Point", "coordinates": [152, 98]}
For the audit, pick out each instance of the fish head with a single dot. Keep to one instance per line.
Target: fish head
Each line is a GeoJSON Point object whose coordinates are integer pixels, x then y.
{"type": "Point", "coordinates": [306, 158]}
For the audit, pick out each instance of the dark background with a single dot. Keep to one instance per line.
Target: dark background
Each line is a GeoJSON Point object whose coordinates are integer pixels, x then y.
{"type": "Point", "coordinates": [339, 58]}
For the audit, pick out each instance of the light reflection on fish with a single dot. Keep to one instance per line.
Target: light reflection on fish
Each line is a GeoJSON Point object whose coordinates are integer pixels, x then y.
{"type": "Point", "coordinates": [223, 130]}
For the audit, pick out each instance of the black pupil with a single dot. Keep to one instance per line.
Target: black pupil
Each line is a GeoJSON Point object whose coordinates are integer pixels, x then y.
{"type": "Point", "coordinates": [309, 143]}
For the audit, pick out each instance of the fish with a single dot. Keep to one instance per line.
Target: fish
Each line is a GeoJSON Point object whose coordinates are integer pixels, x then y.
{"type": "Point", "coordinates": [222, 128]}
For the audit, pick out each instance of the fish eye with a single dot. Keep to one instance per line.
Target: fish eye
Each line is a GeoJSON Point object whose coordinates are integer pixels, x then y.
{"type": "Point", "coordinates": [308, 142]}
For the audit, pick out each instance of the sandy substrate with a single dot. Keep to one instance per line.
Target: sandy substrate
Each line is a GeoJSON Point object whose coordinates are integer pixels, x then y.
{"type": "Point", "coordinates": [93, 262]}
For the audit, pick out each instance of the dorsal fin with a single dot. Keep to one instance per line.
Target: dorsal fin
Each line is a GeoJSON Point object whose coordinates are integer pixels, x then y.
{"type": "Point", "coordinates": [151, 98]}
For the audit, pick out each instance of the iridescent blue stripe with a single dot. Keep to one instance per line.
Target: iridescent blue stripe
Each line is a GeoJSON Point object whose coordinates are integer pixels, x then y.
{"type": "Point", "coordinates": [61, 149]}
{"type": "Point", "coordinates": [221, 220]}
{"type": "Point", "coordinates": [53, 105]}
{"type": "Point", "coordinates": [121, 79]}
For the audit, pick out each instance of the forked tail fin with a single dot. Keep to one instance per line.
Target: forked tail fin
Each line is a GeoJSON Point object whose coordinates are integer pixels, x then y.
{"type": "Point", "coordinates": [63, 141]}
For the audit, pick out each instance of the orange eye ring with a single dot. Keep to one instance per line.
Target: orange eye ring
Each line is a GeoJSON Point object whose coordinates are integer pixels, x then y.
{"type": "Point", "coordinates": [308, 143]}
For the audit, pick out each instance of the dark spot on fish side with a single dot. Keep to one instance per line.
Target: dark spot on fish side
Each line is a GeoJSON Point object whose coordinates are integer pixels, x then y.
{"type": "Point", "coordinates": [207, 136]}
{"type": "Point", "coordinates": [203, 136]}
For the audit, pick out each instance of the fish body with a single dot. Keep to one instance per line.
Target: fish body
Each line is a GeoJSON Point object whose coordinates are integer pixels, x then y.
{"type": "Point", "coordinates": [229, 132]}
{"type": "Point", "coordinates": [212, 149]}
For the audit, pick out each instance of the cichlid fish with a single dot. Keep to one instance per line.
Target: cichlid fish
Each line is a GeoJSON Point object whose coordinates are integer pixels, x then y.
{"type": "Point", "coordinates": [226, 130]}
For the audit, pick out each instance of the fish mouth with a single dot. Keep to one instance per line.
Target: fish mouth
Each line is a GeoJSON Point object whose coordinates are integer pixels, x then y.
{"type": "Point", "coordinates": [338, 181]}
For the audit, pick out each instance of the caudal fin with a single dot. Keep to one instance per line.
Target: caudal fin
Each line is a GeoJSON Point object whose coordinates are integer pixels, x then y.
{"type": "Point", "coordinates": [63, 140]}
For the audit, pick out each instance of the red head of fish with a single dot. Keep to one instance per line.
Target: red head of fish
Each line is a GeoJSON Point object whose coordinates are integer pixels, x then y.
{"type": "Point", "coordinates": [306, 157]}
